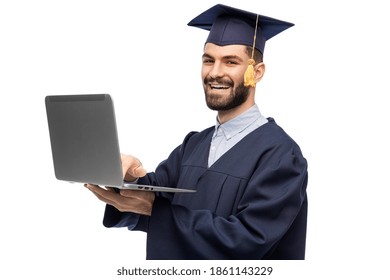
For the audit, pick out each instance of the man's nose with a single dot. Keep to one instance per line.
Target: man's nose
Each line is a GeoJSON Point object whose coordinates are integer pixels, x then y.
{"type": "Point", "coordinates": [216, 71]}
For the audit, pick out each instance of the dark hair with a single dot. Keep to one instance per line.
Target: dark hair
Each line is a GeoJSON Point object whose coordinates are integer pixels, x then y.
{"type": "Point", "coordinates": [257, 55]}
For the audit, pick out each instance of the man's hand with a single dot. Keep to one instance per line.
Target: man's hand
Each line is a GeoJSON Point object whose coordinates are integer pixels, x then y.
{"type": "Point", "coordinates": [132, 168]}
{"type": "Point", "coordinates": [140, 202]}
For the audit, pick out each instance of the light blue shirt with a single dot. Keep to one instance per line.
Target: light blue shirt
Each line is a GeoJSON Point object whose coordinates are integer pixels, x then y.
{"type": "Point", "coordinates": [228, 134]}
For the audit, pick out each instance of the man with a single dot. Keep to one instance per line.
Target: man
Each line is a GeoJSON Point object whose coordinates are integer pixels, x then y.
{"type": "Point", "coordinates": [249, 175]}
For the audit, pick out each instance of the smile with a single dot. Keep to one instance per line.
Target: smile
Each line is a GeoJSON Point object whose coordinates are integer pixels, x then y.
{"type": "Point", "coordinates": [218, 86]}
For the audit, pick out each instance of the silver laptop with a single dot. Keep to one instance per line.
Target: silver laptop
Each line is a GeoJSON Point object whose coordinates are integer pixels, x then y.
{"type": "Point", "coordinates": [84, 142]}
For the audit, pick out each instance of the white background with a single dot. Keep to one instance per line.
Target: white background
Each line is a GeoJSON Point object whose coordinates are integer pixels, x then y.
{"type": "Point", "coordinates": [326, 84]}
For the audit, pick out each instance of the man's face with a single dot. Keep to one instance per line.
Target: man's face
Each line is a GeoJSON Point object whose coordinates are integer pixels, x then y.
{"type": "Point", "coordinates": [223, 69]}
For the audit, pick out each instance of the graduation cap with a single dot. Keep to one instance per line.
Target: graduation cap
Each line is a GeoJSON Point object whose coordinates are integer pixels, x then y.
{"type": "Point", "coordinates": [230, 26]}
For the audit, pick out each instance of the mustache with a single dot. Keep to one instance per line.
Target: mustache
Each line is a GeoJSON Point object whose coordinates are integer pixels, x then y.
{"type": "Point", "coordinates": [221, 81]}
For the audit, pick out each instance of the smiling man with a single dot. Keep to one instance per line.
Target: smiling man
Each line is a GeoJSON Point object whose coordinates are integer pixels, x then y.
{"type": "Point", "coordinates": [223, 71]}
{"type": "Point", "coordinates": [250, 177]}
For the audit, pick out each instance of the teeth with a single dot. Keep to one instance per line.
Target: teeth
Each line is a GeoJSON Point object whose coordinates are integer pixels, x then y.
{"type": "Point", "coordinates": [219, 87]}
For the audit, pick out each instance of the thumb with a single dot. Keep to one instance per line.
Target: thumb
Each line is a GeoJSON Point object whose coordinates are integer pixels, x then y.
{"type": "Point", "coordinates": [139, 171]}
{"type": "Point", "coordinates": [135, 171]}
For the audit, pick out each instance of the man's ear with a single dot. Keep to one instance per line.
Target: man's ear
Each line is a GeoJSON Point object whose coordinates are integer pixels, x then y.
{"type": "Point", "coordinates": [259, 71]}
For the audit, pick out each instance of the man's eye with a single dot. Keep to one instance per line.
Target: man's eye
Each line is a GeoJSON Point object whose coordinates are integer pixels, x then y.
{"type": "Point", "coordinates": [208, 61]}
{"type": "Point", "coordinates": [232, 62]}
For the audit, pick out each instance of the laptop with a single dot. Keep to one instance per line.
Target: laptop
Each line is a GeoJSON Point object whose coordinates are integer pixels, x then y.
{"type": "Point", "coordinates": [84, 142]}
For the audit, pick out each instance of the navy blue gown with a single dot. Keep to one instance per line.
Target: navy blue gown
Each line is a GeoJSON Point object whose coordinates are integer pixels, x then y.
{"type": "Point", "coordinates": [250, 204]}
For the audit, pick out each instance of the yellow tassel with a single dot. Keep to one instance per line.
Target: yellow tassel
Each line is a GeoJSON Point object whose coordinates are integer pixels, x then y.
{"type": "Point", "coordinates": [249, 76]}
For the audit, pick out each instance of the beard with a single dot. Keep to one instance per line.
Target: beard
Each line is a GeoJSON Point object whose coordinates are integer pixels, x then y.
{"type": "Point", "coordinates": [235, 98]}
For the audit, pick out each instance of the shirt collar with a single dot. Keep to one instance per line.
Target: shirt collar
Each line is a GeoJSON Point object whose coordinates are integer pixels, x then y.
{"type": "Point", "coordinates": [234, 126]}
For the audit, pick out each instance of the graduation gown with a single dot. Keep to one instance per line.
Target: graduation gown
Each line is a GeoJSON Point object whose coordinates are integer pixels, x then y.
{"type": "Point", "coordinates": [250, 204]}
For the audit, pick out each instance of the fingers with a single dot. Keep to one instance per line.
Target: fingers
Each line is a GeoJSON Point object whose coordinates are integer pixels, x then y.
{"type": "Point", "coordinates": [126, 201]}
{"type": "Point", "coordinates": [107, 196]}
{"type": "Point", "coordinates": [132, 168]}
{"type": "Point", "coordinates": [144, 196]}
{"type": "Point", "coordinates": [139, 171]}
